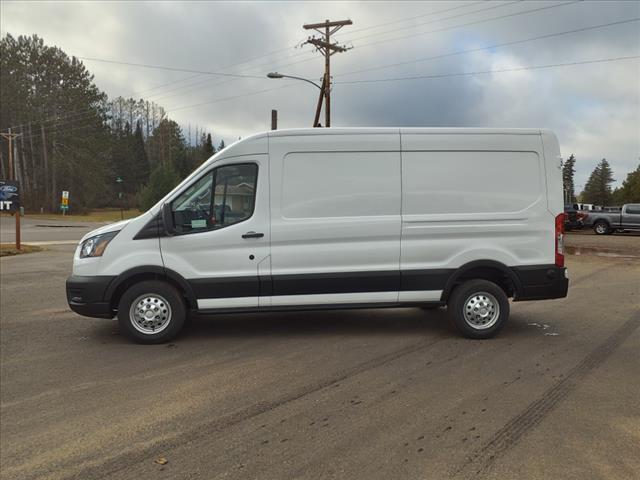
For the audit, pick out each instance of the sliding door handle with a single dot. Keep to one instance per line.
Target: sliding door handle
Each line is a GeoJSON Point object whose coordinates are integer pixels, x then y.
{"type": "Point", "coordinates": [253, 235]}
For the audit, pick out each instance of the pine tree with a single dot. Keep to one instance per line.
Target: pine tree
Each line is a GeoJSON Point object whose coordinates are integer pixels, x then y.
{"type": "Point", "coordinates": [40, 86]}
{"type": "Point", "coordinates": [598, 188]}
{"type": "Point", "coordinates": [163, 179]}
{"type": "Point", "coordinates": [568, 171]}
{"type": "Point", "coordinates": [221, 145]}
{"type": "Point", "coordinates": [207, 148]}
{"type": "Point", "coordinates": [140, 170]}
{"type": "Point", "coordinates": [629, 192]}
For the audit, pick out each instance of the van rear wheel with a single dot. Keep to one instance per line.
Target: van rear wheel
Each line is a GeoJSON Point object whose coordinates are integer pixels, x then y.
{"type": "Point", "coordinates": [151, 312]}
{"type": "Point", "coordinates": [478, 308]}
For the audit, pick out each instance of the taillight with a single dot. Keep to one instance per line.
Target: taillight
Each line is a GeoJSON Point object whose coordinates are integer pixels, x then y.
{"type": "Point", "coordinates": [559, 246]}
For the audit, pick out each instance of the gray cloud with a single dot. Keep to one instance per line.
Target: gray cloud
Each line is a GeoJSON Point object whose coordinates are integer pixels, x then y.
{"type": "Point", "coordinates": [595, 109]}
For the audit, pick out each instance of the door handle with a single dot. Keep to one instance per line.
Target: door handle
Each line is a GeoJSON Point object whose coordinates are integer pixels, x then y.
{"type": "Point", "coordinates": [253, 235]}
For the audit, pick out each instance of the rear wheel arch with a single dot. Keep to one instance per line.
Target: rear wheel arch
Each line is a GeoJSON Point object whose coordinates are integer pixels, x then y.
{"type": "Point", "coordinates": [489, 270]}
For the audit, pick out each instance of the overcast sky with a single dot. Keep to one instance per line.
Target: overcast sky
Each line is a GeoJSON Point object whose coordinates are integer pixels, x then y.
{"type": "Point", "coordinates": [594, 108]}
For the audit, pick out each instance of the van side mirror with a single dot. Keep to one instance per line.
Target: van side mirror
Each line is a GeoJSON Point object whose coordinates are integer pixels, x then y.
{"type": "Point", "coordinates": [167, 219]}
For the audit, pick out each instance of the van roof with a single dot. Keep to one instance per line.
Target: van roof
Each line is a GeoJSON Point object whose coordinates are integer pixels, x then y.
{"type": "Point", "coordinates": [404, 130]}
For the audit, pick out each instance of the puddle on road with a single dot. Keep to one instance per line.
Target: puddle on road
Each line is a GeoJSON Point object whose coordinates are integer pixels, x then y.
{"type": "Point", "coordinates": [599, 252]}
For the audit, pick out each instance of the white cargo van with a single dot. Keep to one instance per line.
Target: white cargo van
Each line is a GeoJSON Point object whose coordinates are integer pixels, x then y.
{"type": "Point", "coordinates": [339, 218]}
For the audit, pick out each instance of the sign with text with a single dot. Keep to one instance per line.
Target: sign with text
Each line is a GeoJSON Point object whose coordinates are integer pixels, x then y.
{"type": "Point", "coordinates": [9, 196]}
{"type": "Point", "coordinates": [64, 204]}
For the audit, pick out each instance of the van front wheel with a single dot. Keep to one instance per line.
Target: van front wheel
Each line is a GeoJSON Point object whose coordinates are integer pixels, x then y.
{"type": "Point", "coordinates": [478, 308]}
{"type": "Point", "coordinates": [151, 312]}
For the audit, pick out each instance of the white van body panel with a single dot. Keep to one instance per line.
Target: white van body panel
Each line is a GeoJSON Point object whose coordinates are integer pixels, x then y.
{"type": "Point", "coordinates": [123, 252]}
{"type": "Point", "coordinates": [469, 197]}
{"type": "Point", "coordinates": [353, 217]}
{"type": "Point", "coordinates": [328, 223]}
{"type": "Point", "coordinates": [223, 254]}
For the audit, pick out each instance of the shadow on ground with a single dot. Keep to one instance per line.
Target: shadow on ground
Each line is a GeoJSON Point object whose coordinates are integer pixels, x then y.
{"type": "Point", "coordinates": [319, 324]}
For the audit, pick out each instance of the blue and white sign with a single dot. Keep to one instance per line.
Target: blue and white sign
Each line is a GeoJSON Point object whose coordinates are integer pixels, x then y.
{"type": "Point", "coordinates": [9, 196]}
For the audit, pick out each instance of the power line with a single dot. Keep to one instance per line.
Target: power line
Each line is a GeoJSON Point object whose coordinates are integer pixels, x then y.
{"type": "Point", "coordinates": [420, 77]}
{"type": "Point", "coordinates": [224, 99]}
{"type": "Point", "coordinates": [452, 27]}
{"type": "Point", "coordinates": [506, 70]}
{"type": "Point", "coordinates": [89, 112]}
{"type": "Point", "coordinates": [427, 14]}
{"type": "Point", "coordinates": [294, 55]}
{"type": "Point", "coordinates": [473, 22]}
{"type": "Point", "coordinates": [172, 69]}
{"type": "Point", "coordinates": [226, 66]}
{"type": "Point", "coordinates": [198, 73]}
{"type": "Point", "coordinates": [448, 27]}
{"type": "Point", "coordinates": [489, 47]}
{"type": "Point", "coordinates": [493, 7]}
{"type": "Point", "coordinates": [483, 72]}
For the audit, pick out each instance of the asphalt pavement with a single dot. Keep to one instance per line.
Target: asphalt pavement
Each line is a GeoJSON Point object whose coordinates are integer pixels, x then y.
{"type": "Point", "coordinates": [366, 394]}
{"type": "Point", "coordinates": [44, 232]}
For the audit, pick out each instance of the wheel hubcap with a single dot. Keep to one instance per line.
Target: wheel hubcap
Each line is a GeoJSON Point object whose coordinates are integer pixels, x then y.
{"type": "Point", "coordinates": [600, 228]}
{"type": "Point", "coordinates": [481, 310]}
{"type": "Point", "coordinates": [150, 314]}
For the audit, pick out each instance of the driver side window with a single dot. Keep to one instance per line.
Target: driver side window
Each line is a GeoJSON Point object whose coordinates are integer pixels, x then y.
{"type": "Point", "coordinates": [222, 197]}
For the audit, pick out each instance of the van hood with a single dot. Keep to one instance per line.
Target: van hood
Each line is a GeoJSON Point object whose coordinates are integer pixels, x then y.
{"type": "Point", "coordinates": [112, 227]}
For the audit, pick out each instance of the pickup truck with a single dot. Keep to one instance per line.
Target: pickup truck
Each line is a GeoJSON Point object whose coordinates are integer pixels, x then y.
{"type": "Point", "coordinates": [604, 223]}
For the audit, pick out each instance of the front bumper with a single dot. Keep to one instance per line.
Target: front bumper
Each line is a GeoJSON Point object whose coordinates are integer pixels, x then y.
{"type": "Point", "coordinates": [542, 282]}
{"type": "Point", "coordinates": [86, 295]}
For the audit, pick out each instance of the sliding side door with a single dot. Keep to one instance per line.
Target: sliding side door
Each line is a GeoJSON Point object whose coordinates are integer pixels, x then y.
{"type": "Point", "coordinates": [335, 218]}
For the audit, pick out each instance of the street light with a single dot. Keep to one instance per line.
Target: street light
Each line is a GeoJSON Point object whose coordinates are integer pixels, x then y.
{"type": "Point", "coordinates": [280, 75]}
{"type": "Point", "coordinates": [321, 88]}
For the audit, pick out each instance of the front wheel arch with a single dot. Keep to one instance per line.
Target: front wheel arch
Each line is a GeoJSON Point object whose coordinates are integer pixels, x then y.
{"type": "Point", "coordinates": [149, 272]}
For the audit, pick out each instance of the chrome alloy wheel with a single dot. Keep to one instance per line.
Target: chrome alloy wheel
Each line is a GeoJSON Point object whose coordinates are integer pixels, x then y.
{"type": "Point", "coordinates": [150, 314]}
{"type": "Point", "coordinates": [601, 228]}
{"type": "Point", "coordinates": [481, 310]}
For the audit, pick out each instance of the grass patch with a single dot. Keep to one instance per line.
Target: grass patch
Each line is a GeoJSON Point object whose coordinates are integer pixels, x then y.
{"type": "Point", "coordinates": [9, 249]}
{"type": "Point", "coordinates": [101, 215]}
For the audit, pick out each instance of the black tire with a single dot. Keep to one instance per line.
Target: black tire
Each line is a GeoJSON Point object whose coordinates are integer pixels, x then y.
{"type": "Point", "coordinates": [601, 228]}
{"type": "Point", "coordinates": [153, 290]}
{"type": "Point", "coordinates": [460, 300]}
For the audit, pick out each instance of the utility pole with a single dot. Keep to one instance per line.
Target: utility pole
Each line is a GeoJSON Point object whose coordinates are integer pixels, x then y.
{"type": "Point", "coordinates": [10, 136]}
{"type": "Point", "coordinates": [326, 29]}
{"type": "Point", "coordinates": [274, 119]}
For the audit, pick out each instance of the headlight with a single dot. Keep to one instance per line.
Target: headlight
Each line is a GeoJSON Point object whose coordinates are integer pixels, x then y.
{"type": "Point", "coordinates": [95, 246]}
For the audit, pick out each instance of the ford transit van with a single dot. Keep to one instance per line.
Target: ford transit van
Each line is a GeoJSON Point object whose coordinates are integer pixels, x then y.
{"type": "Point", "coordinates": [339, 218]}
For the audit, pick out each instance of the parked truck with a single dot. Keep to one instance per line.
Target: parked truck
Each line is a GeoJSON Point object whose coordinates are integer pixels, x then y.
{"type": "Point", "coordinates": [604, 223]}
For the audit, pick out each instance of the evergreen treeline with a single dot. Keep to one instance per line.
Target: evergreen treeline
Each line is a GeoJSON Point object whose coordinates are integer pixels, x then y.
{"type": "Point", "coordinates": [105, 152]}
{"type": "Point", "coordinates": [598, 189]}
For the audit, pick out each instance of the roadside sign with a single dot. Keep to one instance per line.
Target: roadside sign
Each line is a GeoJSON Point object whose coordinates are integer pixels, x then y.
{"type": "Point", "coordinates": [64, 203]}
{"type": "Point", "coordinates": [9, 196]}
